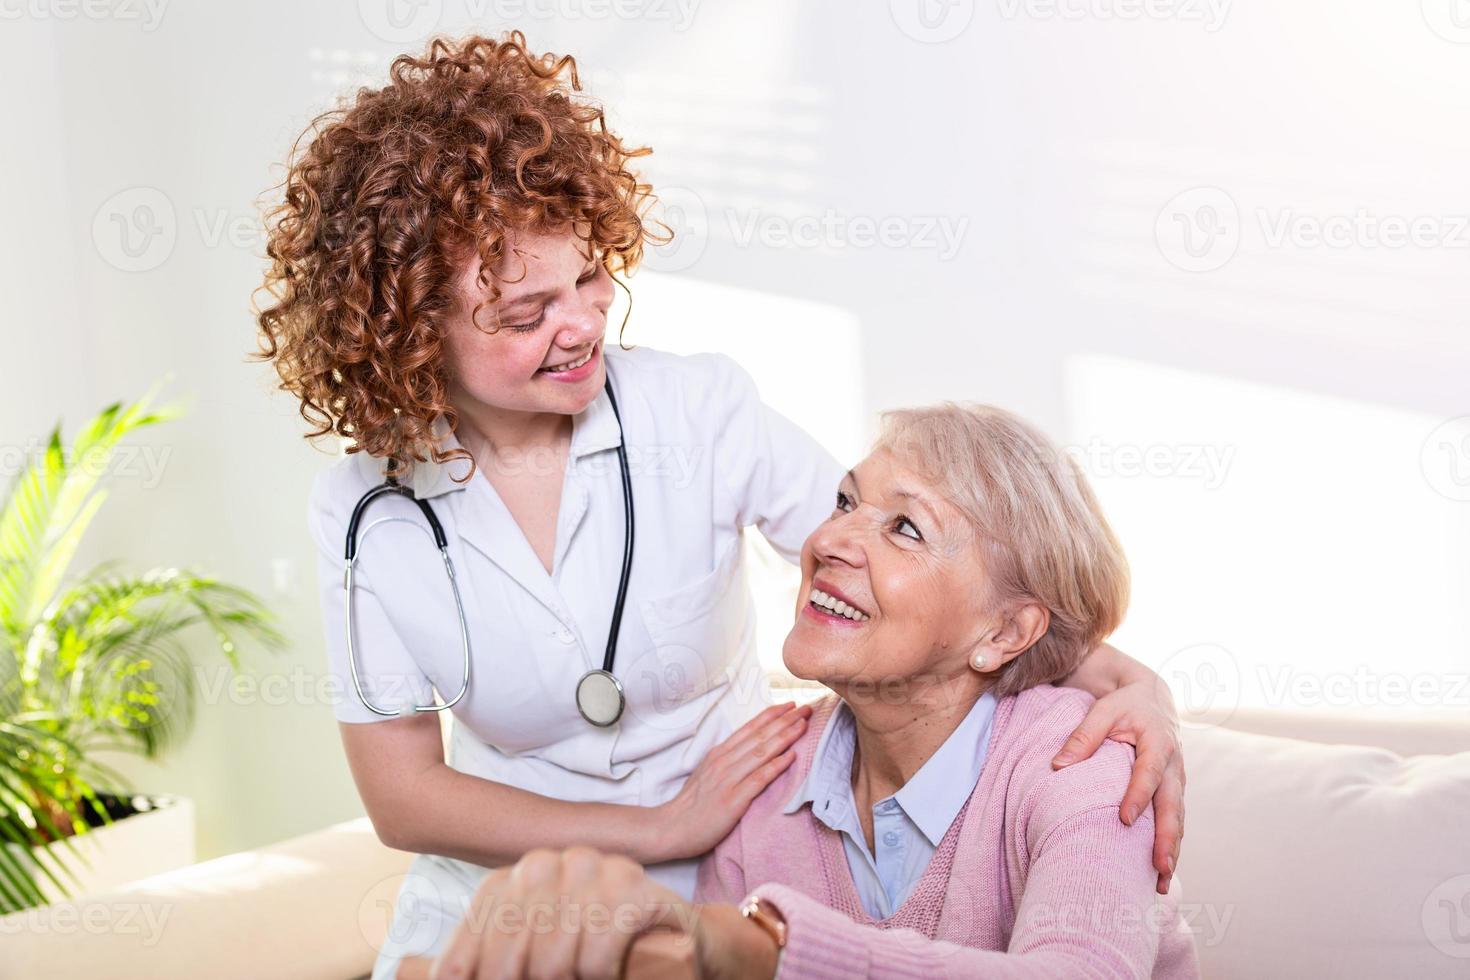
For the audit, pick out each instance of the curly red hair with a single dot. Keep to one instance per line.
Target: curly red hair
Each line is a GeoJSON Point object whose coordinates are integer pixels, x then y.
{"type": "Point", "coordinates": [474, 141]}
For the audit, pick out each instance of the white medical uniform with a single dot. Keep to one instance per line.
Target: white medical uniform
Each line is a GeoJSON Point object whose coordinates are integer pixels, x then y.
{"type": "Point", "coordinates": [708, 459]}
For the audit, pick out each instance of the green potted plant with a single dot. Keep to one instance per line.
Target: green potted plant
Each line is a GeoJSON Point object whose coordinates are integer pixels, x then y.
{"type": "Point", "coordinates": [90, 664]}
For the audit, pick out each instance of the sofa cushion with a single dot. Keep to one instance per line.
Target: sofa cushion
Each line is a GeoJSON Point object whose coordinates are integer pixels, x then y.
{"type": "Point", "coordinates": [1310, 860]}
{"type": "Point", "coordinates": [311, 908]}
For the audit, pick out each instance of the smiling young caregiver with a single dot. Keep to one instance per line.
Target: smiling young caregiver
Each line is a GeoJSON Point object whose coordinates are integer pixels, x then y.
{"type": "Point", "coordinates": [442, 267]}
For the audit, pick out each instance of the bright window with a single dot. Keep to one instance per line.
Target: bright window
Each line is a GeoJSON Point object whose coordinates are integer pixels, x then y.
{"type": "Point", "coordinates": [1289, 550]}
{"type": "Point", "coordinates": [778, 340]}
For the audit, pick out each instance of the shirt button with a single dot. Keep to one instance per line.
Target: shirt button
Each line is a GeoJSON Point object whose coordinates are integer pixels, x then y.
{"type": "Point", "coordinates": [891, 838]}
{"type": "Point", "coordinates": [564, 634]}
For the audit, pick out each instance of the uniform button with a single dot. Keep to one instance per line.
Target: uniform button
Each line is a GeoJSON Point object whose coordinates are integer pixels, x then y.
{"type": "Point", "coordinates": [565, 635]}
{"type": "Point", "coordinates": [891, 838]}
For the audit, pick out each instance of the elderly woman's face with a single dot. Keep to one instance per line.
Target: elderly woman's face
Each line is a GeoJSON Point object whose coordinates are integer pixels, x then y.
{"type": "Point", "coordinates": [905, 566]}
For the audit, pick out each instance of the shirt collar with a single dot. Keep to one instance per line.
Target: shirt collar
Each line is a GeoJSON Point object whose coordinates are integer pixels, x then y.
{"type": "Point", "coordinates": [931, 799]}
{"type": "Point", "coordinates": [830, 772]}
{"type": "Point", "coordinates": [594, 429]}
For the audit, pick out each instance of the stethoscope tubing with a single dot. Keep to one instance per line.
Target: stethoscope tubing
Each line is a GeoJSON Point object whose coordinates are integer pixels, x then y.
{"type": "Point", "coordinates": [441, 541]}
{"type": "Point", "coordinates": [627, 570]}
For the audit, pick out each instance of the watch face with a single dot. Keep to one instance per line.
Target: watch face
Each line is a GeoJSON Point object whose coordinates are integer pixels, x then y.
{"type": "Point", "coordinates": [600, 698]}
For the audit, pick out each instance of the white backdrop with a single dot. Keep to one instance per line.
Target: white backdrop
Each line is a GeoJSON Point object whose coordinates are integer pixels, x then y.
{"type": "Point", "coordinates": [1164, 230]}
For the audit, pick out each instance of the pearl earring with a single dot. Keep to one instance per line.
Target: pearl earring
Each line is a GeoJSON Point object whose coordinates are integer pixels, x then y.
{"type": "Point", "coordinates": [978, 661]}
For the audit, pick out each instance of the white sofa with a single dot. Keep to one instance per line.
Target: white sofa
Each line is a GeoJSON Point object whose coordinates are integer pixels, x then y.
{"type": "Point", "coordinates": [1315, 847]}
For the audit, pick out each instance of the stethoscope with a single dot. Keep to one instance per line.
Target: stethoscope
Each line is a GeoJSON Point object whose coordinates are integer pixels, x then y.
{"type": "Point", "coordinates": [599, 693]}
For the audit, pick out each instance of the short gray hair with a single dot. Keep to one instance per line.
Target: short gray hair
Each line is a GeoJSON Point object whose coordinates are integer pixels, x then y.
{"type": "Point", "coordinates": [1041, 529]}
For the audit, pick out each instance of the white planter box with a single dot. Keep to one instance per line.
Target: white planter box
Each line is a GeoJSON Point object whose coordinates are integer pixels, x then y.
{"type": "Point", "coordinates": [137, 846]}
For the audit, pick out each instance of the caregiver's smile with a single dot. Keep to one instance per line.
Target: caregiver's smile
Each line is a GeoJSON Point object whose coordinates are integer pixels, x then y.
{"type": "Point", "coordinates": [539, 348]}
{"type": "Point", "coordinates": [575, 369]}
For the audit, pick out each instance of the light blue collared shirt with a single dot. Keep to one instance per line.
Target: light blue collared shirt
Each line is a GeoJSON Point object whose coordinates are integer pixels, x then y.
{"type": "Point", "coordinates": [907, 826]}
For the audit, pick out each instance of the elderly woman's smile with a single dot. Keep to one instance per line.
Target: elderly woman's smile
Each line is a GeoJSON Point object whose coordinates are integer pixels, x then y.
{"type": "Point", "coordinates": [828, 604]}
{"type": "Point", "coordinates": [892, 583]}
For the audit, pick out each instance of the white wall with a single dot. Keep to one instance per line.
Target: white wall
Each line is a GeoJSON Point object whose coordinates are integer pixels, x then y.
{"type": "Point", "coordinates": [1051, 146]}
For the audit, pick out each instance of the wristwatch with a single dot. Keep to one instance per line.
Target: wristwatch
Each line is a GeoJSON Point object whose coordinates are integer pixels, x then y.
{"type": "Point", "coordinates": [769, 918]}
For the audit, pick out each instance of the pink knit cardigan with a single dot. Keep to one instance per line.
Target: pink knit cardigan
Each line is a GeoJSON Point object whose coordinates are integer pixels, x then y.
{"type": "Point", "coordinates": [1037, 876]}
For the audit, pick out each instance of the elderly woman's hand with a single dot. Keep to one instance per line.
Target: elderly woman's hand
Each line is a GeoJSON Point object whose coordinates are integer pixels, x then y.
{"type": "Point", "coordinates": [1134, 706]}
{"type": "Point", "coordinates": [578, 913]}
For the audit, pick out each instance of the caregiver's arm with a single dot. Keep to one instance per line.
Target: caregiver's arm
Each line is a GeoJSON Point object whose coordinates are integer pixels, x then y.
{"type": "Point", "coordinates": [418, 803]}
{"type": "Point", "coordinates": [779, 478]}
{"type": "Point", "coordinates": [1134, 706]}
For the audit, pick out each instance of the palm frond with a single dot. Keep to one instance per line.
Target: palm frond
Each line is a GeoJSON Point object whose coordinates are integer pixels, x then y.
{"type": "Point", "coordinates": [119, 666]}
{"type": "Point", "coordinates": [101, 662]}
{"type": "Point", "coordinates": [51, 506]}
{"type": "Point", "coordinates": [35, 765]}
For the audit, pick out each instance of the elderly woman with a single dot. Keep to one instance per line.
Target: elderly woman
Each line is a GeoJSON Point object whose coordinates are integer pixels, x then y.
{"type": "Point", "coordinates": [922, 830]}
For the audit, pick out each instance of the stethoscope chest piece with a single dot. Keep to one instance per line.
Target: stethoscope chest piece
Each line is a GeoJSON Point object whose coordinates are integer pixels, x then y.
{"type": "Point", "coordinates": [600, 698]}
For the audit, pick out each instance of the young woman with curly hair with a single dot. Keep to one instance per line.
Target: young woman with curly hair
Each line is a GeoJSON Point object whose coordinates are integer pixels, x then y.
{"type": "Point", "coordinates": [442, 264]}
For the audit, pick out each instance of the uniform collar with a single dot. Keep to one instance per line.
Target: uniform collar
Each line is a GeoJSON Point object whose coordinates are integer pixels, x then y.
{"type": "Point", "coordinates": [594, 429]}
{"type": "Point", "coordinates": [428, 478]}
